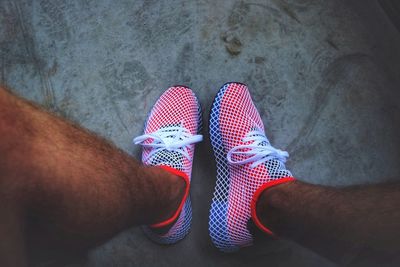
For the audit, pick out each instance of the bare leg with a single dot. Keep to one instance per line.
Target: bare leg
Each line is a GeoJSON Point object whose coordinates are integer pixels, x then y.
{"type": "Point", "coordinates": [12, 232]}
{"type": "Point", "coordinates": [334, 221]}
{"type": "Point", "coordinates": [77, 184]}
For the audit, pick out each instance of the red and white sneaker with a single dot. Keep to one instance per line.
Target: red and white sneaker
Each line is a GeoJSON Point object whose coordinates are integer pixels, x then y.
{"type": "Point", "coordinates": [246, 163]}
{"type": "Point", "coordinates": [168, 141]}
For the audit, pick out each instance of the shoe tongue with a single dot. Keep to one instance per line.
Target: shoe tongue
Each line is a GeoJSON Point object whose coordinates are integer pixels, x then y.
{"type": "Point", "coordinates": [258, 128]}
{"type": "Point", "coordinates": [172, 159]}
{"type": "Point", "coordinates": [277, 169]}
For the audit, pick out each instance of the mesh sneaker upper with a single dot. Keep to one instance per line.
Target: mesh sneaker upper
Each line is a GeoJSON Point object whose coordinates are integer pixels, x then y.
{"type": "Point", "coordinates": [178, 106]}
{"type": "Point", "coordinates": [235, 116]}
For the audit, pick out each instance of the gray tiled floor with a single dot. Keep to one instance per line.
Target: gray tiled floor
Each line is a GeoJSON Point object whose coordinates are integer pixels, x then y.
{"type": "Point", "coordinates": [324, 75]}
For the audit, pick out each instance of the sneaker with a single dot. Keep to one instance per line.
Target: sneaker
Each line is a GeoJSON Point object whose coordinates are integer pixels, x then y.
{"type": "Point", "coordinates": [246, 162]}
{"type": "Point", "coordinates": [170, 133]}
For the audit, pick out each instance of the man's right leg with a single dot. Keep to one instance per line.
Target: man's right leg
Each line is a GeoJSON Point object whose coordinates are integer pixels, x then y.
{"type": "Point", "coordinates": [79, 186]}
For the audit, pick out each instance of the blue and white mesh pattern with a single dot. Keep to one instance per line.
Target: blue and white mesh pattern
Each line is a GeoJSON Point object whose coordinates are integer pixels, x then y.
{"type": "Point", "coordinates": [218, 227]}
{"type": "Point", "coordinates": [230, 208]}
{"type": "Point", "coordinates": [178, 231]}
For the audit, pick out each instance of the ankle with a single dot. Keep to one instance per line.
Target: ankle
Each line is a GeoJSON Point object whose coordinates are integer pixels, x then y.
{"type": "Point", "coordinates": [270, 207]}
{"type": "Point", "coordinates": [177, 190]}
{"type": "Point", "coordinates": [168, 194]}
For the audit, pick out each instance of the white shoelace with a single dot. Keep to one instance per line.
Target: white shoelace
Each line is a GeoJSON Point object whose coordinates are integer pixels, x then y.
{"type": "Point", "coordinates": [170, 138]}
{"type": "Point", "coordinates": [257, 152]}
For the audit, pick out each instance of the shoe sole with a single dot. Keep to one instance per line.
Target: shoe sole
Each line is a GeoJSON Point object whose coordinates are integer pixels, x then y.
{"type": "Point", "coordinates": [218, 219]}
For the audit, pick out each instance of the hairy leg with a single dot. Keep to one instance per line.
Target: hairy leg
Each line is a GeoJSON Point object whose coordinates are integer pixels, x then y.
{"type": "Point", "coordinates": [334, 221]}
{"type": "Point", "coordinates": [12, 232]}
{"type": "Point", "coordinates": [82, 188]}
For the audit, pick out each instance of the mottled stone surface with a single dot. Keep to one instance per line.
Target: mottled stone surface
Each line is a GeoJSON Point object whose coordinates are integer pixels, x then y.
{"type": "Point", "coordinates": [324, 75]}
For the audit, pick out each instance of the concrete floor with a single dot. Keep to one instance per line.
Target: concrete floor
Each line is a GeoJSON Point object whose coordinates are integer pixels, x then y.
{"type": "Point", "coordinates": [324, 75]}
